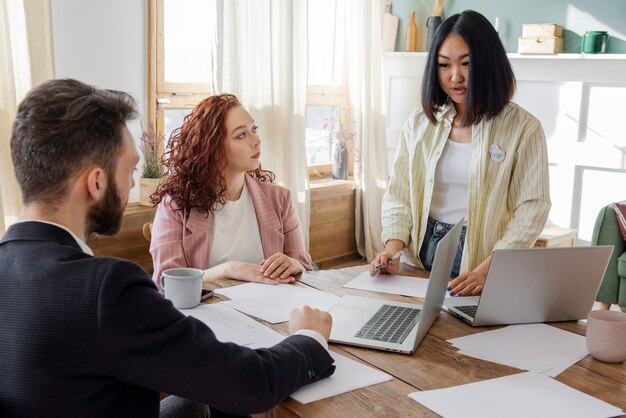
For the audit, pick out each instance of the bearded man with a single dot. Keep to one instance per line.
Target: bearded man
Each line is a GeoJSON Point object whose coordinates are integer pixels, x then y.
{"type": "Point", "coordinates": [86, 336]}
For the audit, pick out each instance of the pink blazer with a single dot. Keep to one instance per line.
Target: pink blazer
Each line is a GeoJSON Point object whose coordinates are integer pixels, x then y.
{"type": "Point", "coordinates": [183, 239]}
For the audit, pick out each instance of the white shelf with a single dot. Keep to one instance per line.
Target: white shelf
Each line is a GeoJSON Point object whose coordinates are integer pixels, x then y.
{"type": "Point", "coordinates": [514, 56]}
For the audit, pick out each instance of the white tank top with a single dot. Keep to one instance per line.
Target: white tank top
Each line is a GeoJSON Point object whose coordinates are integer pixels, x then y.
{"type": "Point", "coordinates": [236, 235]}
{"type": "Point", "coordinates": [449, 202]}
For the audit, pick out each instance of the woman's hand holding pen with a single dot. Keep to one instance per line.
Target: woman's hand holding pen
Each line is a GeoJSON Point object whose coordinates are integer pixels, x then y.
{"type": "Point", "coordinates": [389, 260]}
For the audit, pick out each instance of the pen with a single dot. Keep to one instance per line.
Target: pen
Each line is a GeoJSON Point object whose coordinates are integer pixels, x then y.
{"type": "Point", "coordinates": [382, 265]}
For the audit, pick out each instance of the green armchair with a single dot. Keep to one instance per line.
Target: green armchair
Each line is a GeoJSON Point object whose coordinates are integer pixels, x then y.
{"type": "Point", "coordinates": [606, 232]}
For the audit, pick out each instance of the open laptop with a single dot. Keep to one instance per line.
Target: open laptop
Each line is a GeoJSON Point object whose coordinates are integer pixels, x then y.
{"type": "Point", "coordinates": [536, 285]}
{"type": "Point", "coordinates": [396, 326]}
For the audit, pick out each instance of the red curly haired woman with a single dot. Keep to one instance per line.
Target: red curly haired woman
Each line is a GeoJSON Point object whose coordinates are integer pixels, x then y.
{"type": "Point", "coordinates": [218, 210]}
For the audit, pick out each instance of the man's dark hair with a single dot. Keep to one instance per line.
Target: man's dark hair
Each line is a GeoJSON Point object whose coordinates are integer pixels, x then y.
{"type": "Point", "coordinates": [491, 83]}
{"type": "Point", "coordinates": [61, 127]}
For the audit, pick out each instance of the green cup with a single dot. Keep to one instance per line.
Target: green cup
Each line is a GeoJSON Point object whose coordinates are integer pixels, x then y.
{"type": "Point", "coordinates": [594, 42]}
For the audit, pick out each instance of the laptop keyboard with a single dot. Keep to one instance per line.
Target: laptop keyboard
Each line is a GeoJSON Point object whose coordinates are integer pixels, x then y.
{"type": "Point", "coordinates": [390, 323]}
{"type": "Point", "coordinates": [469, 310]}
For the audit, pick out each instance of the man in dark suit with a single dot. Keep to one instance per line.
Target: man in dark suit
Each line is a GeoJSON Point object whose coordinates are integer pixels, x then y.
{"type": "Point", "coordinates": [87, 336]}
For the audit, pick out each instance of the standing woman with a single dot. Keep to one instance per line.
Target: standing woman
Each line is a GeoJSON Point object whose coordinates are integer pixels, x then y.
{"type": "Point", "coordinates": [467, 152]}
{"type": "Point", "coordinates": [218, 210]}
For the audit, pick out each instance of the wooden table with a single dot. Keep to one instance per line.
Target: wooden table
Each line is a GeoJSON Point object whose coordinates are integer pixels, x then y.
{"type": "Point", "coordinates": [434, 365]}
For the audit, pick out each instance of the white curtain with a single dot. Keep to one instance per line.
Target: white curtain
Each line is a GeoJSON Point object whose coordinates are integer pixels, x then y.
{"type": "Point", "coordinates": [262, 59]}
{"type": "Point", "coordinates": [364, 47]}
{"type": "Point", "coordinates": [25, 61]}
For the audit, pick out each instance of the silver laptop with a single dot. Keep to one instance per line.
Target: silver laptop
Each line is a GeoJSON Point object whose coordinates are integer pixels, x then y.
{"type": "Point", "coordinates": [396, 326]}
{"type": "Point", "coordinates": [536, 285]}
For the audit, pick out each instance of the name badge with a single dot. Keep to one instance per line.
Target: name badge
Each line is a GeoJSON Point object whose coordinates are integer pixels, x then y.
{"type": "Point", "coordinates": [497, 155]}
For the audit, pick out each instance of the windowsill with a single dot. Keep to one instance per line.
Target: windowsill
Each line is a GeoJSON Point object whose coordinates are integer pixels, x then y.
{"type": "Point", "coordinates": [329, 182]}
{"type": "Point", "coordinates": [135, 207]}
{"type": "Point", "coordinates": [515, 55]}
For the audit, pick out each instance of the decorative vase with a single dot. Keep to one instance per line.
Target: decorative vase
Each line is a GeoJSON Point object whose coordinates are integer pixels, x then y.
{"type": "Point", "coordinates": [340, 163]}
{"type": "Point", "coordinates": [146, 188]}
{"type": "Point", "coordinates": [432, 23]}
{"type": "Point", "coordinates": [411, 34]}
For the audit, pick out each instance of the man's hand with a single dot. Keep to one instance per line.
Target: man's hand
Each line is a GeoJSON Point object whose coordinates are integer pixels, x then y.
{"type": "Point", "coordinates": [310, 318]}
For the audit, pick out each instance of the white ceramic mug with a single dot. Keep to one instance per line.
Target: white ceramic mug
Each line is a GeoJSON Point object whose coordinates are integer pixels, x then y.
{"type": "Point", "coordinates": [606, 335]}
{"type": "Point", "coordinates": [183, 286]}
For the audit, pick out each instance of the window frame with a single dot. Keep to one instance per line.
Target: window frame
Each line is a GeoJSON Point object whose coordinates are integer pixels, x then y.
{"type": "Point", "coordinates": [163, 95]}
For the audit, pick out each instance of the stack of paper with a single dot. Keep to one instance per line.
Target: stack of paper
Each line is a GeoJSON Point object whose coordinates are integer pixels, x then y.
{"type": "Point", "coordinates": [539, 348]}
{"type": "Point", "coordinates": [232, 326]}
{"type": "Point", "coordinates": [274, 303]}
{"type": "Point", "coordinates": [521, 395]}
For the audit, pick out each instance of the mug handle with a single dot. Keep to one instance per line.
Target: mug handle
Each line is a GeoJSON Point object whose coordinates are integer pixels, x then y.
{"type": "Point", "coordinates": [163, 281]}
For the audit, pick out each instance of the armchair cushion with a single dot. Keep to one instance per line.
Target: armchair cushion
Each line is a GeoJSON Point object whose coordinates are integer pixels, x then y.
{"type": "Point", "coordinates": [621, 265]}
{"type": "Point", "coordinates": [620, 214]}
{"type": "Point", "coordinates": [607, 232]}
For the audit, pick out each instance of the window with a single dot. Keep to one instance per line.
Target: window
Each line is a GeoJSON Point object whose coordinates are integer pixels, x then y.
{"type": "Point", "coordinates": [183, 40]}
{"type": "Point", "coordinates": [327, 90]}
{"type": "Point", "coordinates": [181, 45]}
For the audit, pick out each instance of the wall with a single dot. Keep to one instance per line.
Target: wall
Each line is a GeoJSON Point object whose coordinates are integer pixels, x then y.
{"type": "Point", "coordinates": [103, 42]}
{"type": "Point", "coordinates": [576, 17]}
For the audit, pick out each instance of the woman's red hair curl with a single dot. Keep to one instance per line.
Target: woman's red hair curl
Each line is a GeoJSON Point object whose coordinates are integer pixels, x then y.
{"type": "Point", "coordinates": [196, 160]}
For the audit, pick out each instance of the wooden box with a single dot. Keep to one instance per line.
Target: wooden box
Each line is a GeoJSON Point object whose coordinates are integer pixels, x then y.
{"type": "Point", "coordinates": [554, 236]}
{"type": "Point", "coordinates": [540, 45]}
{"type": "Point", "coordinates": [542, 30]}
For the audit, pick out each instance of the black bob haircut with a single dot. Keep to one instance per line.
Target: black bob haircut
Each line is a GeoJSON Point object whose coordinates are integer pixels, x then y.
{"type": "Point", "coordinates": [491, 83]}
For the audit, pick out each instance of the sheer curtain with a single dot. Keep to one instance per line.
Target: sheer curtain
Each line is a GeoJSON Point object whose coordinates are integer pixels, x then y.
{"type": "Point", "coordinates": [25, 61]}
{"type": "Point", "coordinates": [262, 59]}
{"type": "Point", "coordinates": [364, 47]}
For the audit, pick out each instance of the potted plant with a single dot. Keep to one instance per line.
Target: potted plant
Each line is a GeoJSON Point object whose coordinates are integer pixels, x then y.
{"type": "Point", "coordinates": [343, 136]}
{"type": "Point", "coordinates": [150, 144]}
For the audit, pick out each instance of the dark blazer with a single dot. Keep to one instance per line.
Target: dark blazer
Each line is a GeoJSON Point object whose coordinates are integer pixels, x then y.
{"type": "Point", "coordinates": [88, 336]}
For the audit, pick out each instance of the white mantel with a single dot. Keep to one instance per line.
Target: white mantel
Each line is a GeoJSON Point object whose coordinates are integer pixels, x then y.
{"type": "Point", "coordinates": [580, 102]}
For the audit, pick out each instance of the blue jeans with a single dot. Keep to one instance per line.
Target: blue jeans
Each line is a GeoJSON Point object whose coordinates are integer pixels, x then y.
{"type": "Point", "coordinates": [436, 230]}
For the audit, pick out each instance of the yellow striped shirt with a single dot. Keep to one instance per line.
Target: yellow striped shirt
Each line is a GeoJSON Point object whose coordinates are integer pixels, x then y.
{"type": "Point", "coordinates": [508, 201]}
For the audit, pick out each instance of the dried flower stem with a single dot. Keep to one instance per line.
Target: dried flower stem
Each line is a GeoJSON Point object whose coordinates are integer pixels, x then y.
{"type": "Point", "coordinates": [150, 144]}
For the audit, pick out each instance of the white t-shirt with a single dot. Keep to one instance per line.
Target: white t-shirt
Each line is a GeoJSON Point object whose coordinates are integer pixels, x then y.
{"type": "Point", "coordinates": [449, 202]}
{"type": "Point", "coordinates": [236, 235]}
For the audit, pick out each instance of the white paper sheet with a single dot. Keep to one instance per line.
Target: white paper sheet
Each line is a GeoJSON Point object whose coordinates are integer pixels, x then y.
{"type": "Point", "coordinates": [522, 395]}
{"type": "Point", "coordinates": [349, 375]}
{"type": "Point", "coordinates": [230, 325]}
{"type": "Point", "coordinates": [553, 372]}
{"type": "Point", "coordinates": [534, 347]}
{"type": "Point", "coordinates": [274, 303]}
{"type": "Point", "coordinates": [390, 283]}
